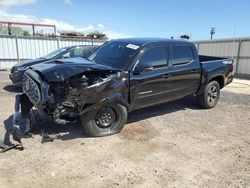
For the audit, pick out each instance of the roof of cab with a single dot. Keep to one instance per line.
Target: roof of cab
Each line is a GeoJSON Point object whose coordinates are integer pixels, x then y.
{"type": "Point", "coordinates": [144, 41]}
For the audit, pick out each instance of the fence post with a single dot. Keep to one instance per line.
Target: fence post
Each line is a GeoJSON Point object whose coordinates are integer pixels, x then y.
{"type": "Point", "coordinates": [17, 50]}
{"type": "Point", "coordinates": [238, 57]}
{"type": "Point", "coordinates": [198, 46]}
{"type": "Point", "coordinates": [58, 42]}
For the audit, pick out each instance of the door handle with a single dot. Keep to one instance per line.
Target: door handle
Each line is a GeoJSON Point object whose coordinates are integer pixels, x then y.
{"type": "Point", "coordinates": [194, 70]}
{"type": "Point", "coordinates": [166, 76]}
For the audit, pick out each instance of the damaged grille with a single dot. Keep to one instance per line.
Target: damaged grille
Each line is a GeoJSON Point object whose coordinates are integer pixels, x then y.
{"type": "Point", "coordinates": [31, 89]}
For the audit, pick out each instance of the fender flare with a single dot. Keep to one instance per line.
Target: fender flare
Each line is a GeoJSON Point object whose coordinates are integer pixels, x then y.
{"type": "Point", "coordinates": [208, 79]}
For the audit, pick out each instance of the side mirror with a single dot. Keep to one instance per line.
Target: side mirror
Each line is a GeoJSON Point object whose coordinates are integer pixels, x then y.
{"type": "Point", "coordinates": [138, 69]}
{"type": "Point", "coordinates": [147, 68]}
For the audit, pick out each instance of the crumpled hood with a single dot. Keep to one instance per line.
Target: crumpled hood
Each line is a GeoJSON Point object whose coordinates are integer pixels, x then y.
{"type": "Point", "coordinates": [62, 69]}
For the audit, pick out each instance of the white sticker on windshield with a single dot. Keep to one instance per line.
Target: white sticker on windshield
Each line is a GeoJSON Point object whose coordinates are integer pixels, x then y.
{"type": "Point", "coordinates": [132, 46]}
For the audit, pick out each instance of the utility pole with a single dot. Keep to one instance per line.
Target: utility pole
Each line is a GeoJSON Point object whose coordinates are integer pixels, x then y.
{"type": "Point", "coordinates": [212, 32]}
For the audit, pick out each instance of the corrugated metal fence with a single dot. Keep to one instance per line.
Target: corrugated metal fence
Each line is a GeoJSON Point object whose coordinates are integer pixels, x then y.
{"type": "Point", "coordinates": [14, 49]}
{"type": "Point", "coordinates": [238, 48]}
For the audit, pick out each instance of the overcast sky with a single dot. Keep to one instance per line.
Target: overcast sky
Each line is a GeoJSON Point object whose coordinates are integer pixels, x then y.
{"type": "Point", "coordinates": [136, 18]}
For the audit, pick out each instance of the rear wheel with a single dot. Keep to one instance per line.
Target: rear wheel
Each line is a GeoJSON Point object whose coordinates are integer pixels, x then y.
{"type": "Point", "coordinates": [210, 96]}
{"type": "Point", "coordinates": [107, 120]}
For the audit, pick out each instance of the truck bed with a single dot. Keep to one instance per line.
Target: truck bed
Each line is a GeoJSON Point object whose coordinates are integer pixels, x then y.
{"type": "Point", "coordinates": [204, 58]}
{"type": "Point", "coordinates": [213, 66]}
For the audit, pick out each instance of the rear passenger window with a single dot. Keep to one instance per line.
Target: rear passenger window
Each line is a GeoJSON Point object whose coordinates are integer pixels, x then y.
{"type": "Point", "coordinates": [155, 57]}
{"type": "Point", "coordinates": [181, 55]}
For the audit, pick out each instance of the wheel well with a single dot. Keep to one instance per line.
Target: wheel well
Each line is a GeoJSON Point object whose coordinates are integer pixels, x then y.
{"type": "Point", "coordinates": [219, 79]}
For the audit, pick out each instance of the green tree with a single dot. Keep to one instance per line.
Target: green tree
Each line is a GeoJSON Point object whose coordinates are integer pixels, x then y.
{"type": "Point", "coordinates": [14, 31]}
{"type": "Point", "coordinates": [185, 36]}
{"type": "Point", "coordinates": [26, 33]}
{"type": "Point", "coordinates": [97, 34]}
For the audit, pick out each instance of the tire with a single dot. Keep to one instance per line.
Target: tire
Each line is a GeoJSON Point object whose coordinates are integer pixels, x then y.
{"type": "Point", "coordinates": [210, 97]}
{"type": "Point", "coordinates": [107, 120]}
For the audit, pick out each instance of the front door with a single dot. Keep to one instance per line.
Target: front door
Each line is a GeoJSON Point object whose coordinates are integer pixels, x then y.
{"type": "Point", "coordinates": [149, 78]}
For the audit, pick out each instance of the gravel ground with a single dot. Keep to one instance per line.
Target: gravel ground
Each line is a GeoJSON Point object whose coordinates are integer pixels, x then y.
{"type": "Point", "coordinates": [170, 145]}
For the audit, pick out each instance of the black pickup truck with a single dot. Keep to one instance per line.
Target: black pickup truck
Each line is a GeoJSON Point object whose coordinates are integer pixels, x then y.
{"type": "Point", "coordinates": [120, 76]}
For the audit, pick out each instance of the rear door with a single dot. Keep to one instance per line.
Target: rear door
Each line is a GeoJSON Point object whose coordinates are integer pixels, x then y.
{"type": "Point", "coordinates": [185, 70]}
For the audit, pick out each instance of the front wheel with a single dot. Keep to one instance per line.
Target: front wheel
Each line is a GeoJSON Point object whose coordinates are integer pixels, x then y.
{"type": "Point", "coordinates": [209, 98]}
{"type": "Point", "coordinates": [107, 120]}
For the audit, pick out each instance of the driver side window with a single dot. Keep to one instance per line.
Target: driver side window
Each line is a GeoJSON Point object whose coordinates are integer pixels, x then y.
{"type": "Point", "coordinates": [154, 57]}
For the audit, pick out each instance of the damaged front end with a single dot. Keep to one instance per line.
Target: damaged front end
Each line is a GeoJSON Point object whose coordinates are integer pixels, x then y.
{"type": "Point", "coordinates": [64, 90]}
{"type": "Point", "coordinates": [67, 95]}
{"type": "Point", "coordinates": [62, 97]}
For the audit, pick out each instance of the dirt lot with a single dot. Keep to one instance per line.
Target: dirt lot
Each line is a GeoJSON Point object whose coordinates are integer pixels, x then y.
{"type": "Point", "coordinates": [169, 145]}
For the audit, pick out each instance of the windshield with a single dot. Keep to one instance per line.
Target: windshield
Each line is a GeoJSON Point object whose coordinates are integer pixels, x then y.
{"type": "Point", "coordinates": [54, 53]}
{"type": "Point", "coordinates": [114, 54]}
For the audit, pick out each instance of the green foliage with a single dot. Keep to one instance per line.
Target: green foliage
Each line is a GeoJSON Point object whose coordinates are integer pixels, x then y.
{"type": "Point", "coordinates": [26, 33]}
{"type": "Point", "coordinates": [16, 31]}
{"type": "Point", "coordinates": [185, 36]}
{"type": "Point", "coordinates": [97, 34]}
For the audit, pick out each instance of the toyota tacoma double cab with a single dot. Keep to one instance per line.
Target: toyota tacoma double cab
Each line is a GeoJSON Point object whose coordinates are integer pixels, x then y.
{"type": "Point", "coordinates": [120, 76]}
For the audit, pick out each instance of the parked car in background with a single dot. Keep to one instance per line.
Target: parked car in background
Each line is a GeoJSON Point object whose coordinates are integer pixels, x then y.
{"type": "Point", "coordinates": [18, 70]}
